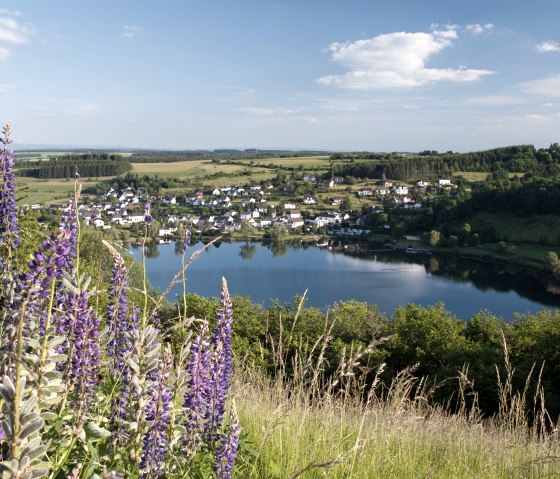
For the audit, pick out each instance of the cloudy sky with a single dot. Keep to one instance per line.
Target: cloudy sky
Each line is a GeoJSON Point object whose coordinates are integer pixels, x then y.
{"type": "Point", "coordinates": [380, 75]}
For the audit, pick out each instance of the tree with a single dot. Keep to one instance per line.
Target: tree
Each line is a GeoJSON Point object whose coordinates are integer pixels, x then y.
{"type": "Point", "coordinates": [247, 230]}
{"type": "Point", "coordinates": [435, 237]}
{"type": "Point", "coordinates": [279, 233]}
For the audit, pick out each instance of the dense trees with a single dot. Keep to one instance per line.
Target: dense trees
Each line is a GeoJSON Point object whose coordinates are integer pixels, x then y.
{"type": "Point", "coordinates": [427, 164]}
{"type": "Point", "coordinates": [87, 165]}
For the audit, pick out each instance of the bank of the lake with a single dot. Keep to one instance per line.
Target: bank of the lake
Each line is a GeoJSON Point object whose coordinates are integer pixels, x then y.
{"type": "Point", "coordinates": [385, 278]}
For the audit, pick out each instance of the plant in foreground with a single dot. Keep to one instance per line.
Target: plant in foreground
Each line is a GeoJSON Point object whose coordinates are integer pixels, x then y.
{"type": "Point", "coordinates": [85, 391]}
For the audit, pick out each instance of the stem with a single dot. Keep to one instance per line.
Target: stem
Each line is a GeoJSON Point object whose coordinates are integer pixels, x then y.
{"type": "Point", "coordinates": [184, 281]}
{"type": "Point", "coordinates": [17, 396]}
{"type": "Point", "coordinates": [145, 288]}
{"type": "Point", "coordinates": [48, 323]}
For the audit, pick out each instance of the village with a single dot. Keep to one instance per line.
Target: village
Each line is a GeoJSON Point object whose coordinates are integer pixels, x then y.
{"type": "Point", "coordinates": [259, 207]}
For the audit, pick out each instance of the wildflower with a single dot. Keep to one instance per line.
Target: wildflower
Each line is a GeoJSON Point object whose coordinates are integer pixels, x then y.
{"type": "Point", "coordinates": [158, 415]}
{"type": "Point", "coordinates": [227, 449]}
{"type": "Point", "coordinates": [85, 346]}
{"type": "Point", "coordinates": [220, 366]}
{"type": "Point", "coordinates": [196, 398]}
{"type": "Point", "coordinates": [186, 240]}
{"type": "Point", "coordinates": [9, 231]}
{"type": "Point", "coordinates": [148, 219]}
{"type": "Point", "coordinates": [119, 319]}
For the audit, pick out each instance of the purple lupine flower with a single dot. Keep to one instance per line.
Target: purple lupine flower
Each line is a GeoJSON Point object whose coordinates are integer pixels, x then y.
{"type": "Point", "coordinates": [227, 449]}
{"type": "Point", "coordinates": [85, 347]}
{"type": "Point", "coordinates": [158, 416]}
{"type": "Point", "coordinates": [186, 240]}
{"type": "Point", "coordinates": [9, 231]}
{"type": "Point", "coordinates": [220, 365]}
{"type": "Point", "coordinates": [119, 319]}
{"type": "Point", "coordinates": [196, 398]}
{"type": "Point", "coordinates": [69, 223]}
{"type": "Point", "coordinates": [148, 219]}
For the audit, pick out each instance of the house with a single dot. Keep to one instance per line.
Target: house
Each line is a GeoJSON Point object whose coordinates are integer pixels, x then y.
{"type": "Point", "coordinates": [400, 190]}
{"type": "Point", "coordinates": [290, 205]}
{"type": "Point", "coordinates": [309, 200]}
{"type": "Point", "coordinates": [136, 218]}
{"type": "Point", "coordinates": [295, 223]}
{"type": "Point", "coordinates": [387, 184]}
{"type": "Point", "coordinates": [98, 222]}
{"type": "Point", "coordinates": [166, 231]}
{"type": "Point", "coordinates": [293, 214]}
{"type": "Point", "coordinates": [422, 184]}
{"type": "Point", "coordinates": [338, 180]}
{"type": "Point", "coordinates": [365, 192]}
{"type": "Point", "coordinates": [337, 200]}
{"type": "Point", "coordinates": [382, 191]}
{"type": "Point", "coordinates": [444, 182]}
{"type": "Point", "coordinates": [216, 192]}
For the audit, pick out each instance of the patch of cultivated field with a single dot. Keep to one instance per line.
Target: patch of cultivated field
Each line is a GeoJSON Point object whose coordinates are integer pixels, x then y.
{"type": "Point", "coordinates": [294, 162]}
{"type": "Point", "coordinates": [33, 190]}
{"type": "Point", "coordinates": [184, 169]}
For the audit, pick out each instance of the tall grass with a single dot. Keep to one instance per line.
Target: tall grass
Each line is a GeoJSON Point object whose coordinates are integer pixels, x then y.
{"type": "Point", "coordinates": [302, 426]}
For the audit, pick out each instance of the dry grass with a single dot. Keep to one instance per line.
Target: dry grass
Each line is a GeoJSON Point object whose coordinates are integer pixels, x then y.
{"type": "Point", "coordinates": [349, 431]}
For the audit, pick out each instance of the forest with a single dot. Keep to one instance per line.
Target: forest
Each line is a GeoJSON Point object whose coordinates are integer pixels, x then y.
{"type": "Point", "coordinates": [425, 165]}
{"type": "Point", "coordinates": [87, 165]}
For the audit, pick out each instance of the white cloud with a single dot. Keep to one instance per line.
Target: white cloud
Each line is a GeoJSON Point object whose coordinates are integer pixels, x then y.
{"type": "Point", "coordinates": [545, 86]}
{"type": "Point", "coordinates": [11, 13]}
{"type": "Point", "coordinates": [496, 100]}
{"type": "Point", "coordinates": [396, 60]}
{"type": "Point", "coordinates": [535, 117]}
{"type": "Point", "coordinates": [4, 53]}
{"type": "Point", "coordinates": [12, 32]}
{"type": "Point", "coordinates": [546, 47]}
{"type": "Point", "coordinates": [4, 88]}
{"type": "Point", "coordinates": [477, 28]}
{"type": "Point", "coordinates": [312, 120]}
{"type": "Point", "coordinates": [271, 111]}
{"type": "Point", "coordinates": [130, 31]}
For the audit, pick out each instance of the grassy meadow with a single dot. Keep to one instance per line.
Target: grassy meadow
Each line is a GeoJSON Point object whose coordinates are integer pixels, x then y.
{"type": "Point", "coordinates": [296, 429]}
{"type": "Point", "coordinates": [529, 229]}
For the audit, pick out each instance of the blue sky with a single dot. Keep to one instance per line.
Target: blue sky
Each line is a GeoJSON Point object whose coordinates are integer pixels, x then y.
{"type": "Point", "coordinates": [353, 75]}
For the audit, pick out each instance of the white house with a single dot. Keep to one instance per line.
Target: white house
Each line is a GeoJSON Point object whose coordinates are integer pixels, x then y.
{"type": "Point", "coordinates": [444, 182]}
{"type": "Point", "coordinates": [166, 231]}
{"type": "Point", "coordinates": [309, 200]}
{"type": "Point", "coordinates": [337, 200]}
{"type": "Point", "coordinates": [365, 192]}
{"type": "Point", "coordinates": [290, 205]}
{"type": "Point", "coordinates": [401, 190]}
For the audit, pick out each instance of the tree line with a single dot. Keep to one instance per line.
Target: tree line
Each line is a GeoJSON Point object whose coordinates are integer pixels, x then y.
{"type": "Point", "coordinates": [429, 164]}
{"type": "Point", "coordinates": [86, 165]}
{"type": "Point", "coordinates": [157, 156]}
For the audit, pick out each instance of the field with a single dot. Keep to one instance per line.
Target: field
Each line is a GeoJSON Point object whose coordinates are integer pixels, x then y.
{"type": "Point", "coordinates": [531, 229]}
{"type": "Point", "coordinates": [295, 162]}
{"type": "Point", "coordinates": [32, 190]}
{"type": "Point", "coordinates": [184, 169]}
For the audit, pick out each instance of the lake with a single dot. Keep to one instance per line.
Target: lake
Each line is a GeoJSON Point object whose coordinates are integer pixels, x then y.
{"type": "Point", "coordinates": [388, 279]}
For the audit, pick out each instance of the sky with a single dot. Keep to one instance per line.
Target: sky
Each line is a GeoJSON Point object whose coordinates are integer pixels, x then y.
{"type": "Point", "coordinates": [400, 75]}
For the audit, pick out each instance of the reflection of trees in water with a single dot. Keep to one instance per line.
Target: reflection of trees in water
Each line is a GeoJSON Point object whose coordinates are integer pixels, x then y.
{"type": "Point", "coordinates": [280, 248]}
{"type": "Point", "coordinates": [247, 251]}
{"type": "Point", "coordinates": [179, 247]}
{"type": "Point", "coordinates": [151, 250]}
{"type": "Point", "coordinates": [485, 276]}
{"type": "Point", "coordinates": [433, 265]}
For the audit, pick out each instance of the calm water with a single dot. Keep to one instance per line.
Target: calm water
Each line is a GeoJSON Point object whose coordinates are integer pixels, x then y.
{"type": "Point", "coordinates": [264, 272]}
